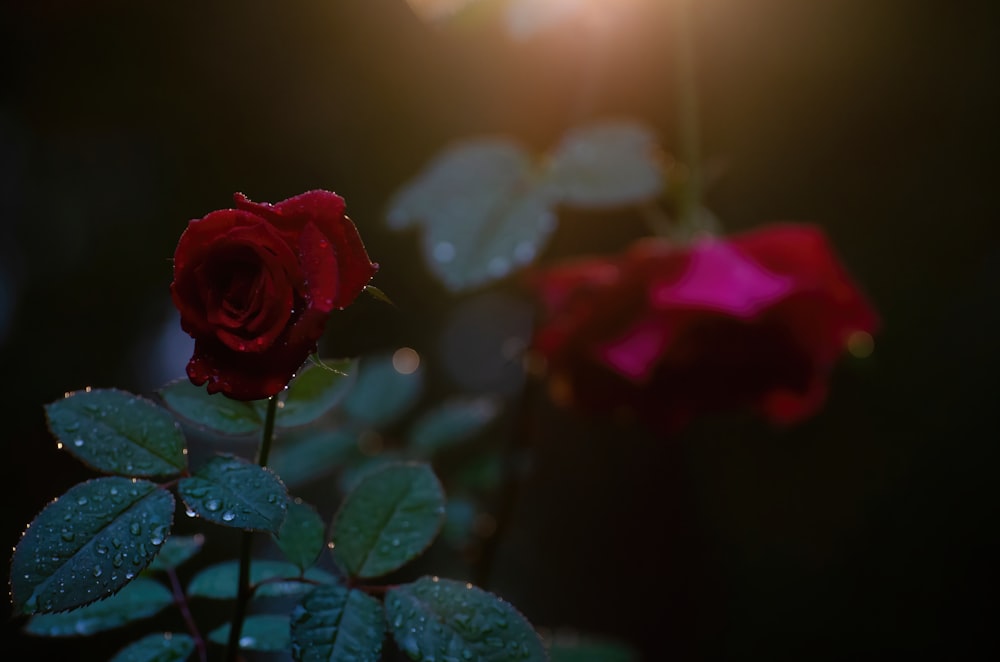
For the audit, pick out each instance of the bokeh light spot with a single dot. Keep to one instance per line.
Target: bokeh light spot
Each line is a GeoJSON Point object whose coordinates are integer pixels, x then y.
{"type": "Point", "coordinates": [405, 360]}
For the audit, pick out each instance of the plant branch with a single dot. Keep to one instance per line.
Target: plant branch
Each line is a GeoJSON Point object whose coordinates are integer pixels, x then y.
{"type": "Point", "coordinates": [245, 591]}
{"type": "Point", "coordinates": [180, 599]}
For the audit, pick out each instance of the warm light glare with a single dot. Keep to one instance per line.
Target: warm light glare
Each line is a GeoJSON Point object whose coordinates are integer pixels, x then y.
{"type": "Point", "coordinates": [436, 10]}
{"type": "Point", "coordinates": [528, 17]}
{"type": "Point", "coordinates": [405, 360]}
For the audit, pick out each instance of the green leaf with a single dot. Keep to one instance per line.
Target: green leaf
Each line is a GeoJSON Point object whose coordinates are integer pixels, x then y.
{"type": "Point", "coordinates": [381, 394]}
{"type": "Point", "coordinates": [140, 599]}
{"type": "Point", "coordinates": [376, 293]}
{"type": "Point", "coordinates": [261, 632]}
{"type": "Point", "coordinates": [445, 619]}
{"type": "Point", "coordinates": [213, 412]}
{"type": "Point", "coordinates": [233, 492]}
{"type": "Point", "coordinates": [159, 647]}
{"type": "Point", "coordinates": [389, 519]}
{"type": "Point", "coordinates": [302, 534]}
{"type": "Point", "coordinates": [337, 623]}
{"type": "Point", "coordinates": [451, 423]}
{"type": "Point", "coordinates": [482, 212]}
{"type": "Point", "coordinates": [605, 164]}
{"type": "Point", "coordinates": [272, 579]}
{"type": "Point", "coordinates": [308, 454]}
{"type": "Point", "coordinates": [89, 543]}
{"type": "Point", "coordinates": [315, 391]}
{"type": "Point", "coordinates": [176, 550]}
{"type": "Point", "coordinates": [116, 432]}
{"type": "Point", "coordinates": [352, 475]}
{"type": "Point", "coordinates": [460, 520]}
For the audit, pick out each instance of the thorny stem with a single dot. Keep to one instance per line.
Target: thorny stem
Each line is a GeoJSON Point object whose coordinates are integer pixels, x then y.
{"type": "Point", "coordinates": [182, 604]}
{"type": "Point", "coordinates": [245, 591]}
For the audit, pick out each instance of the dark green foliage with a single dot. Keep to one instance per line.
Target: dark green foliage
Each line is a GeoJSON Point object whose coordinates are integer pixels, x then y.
{"type": "Point", "coordinates": [301, 536]}
{"type": "Point", "coordinates": [212, 412]}
{"type": "Point", "coordinates": [261, 632]}
{"type": "Point", "coordinates": [307, 454]}
{"type": "Point", "coordinates": [381, 394]}
{"type": "Point", "coordinates": [233, 492]}
{"type": "Point", "coordinates": [118, 433]}
{"type": "Point", "coordinates": [160, 647]}
{"type": "Point", "coordinates": [89, 543]}
{"type": "Point", "coordinates": [451, 423]}
{"type": "Point", "coordinates": [176, 550]}
{"type": "Point", "coordinates": [140, 599]}
{"type": "Point", "coordinates": [315, 391]}
{"type": "Point", "coordinates": [336, 623]}
{"type": "Point", "coordinates": [390, 518]}
{"type": "Point", "coordinates": [272, 579]}
{"type": "Point", "coordinates": [445, 619]}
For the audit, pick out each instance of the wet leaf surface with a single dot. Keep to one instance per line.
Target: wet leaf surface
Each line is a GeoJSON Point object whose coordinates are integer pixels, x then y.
{"type": "Point", "coordinates": [337, 623]}
{"type": "Point", "coordinates": [89, 543]}
{"type": "Point", "coordinates": [116, 432]}
{"type": "Point", "coordinates": [232, 492]}
{"type": "Point", "coordinates": [388, 519]}
{"type": "Point", "coordinates": [443, 619]}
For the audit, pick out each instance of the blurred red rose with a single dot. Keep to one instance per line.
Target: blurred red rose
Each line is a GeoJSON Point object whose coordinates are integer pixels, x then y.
{"type": "Point", "coordinates": [254, 286]}
{"type": "Point", "coordinates": [671, 331]}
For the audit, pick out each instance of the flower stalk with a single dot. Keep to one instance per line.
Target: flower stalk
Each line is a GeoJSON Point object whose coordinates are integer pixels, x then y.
{"type": "Point", "coordinates": [245, 590]}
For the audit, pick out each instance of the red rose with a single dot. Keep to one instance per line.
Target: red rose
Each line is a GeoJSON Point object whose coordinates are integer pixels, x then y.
{"type": "Point", "coordinates": [255, 285]}
{"type": "Point", "coordinates": [670, 331]}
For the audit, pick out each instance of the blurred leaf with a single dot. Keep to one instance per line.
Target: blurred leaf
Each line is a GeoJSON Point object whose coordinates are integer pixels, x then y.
{"type": "Point", "coordinates": [261, 632]}
{"type": "Point", "coordinates": [575, 648]}
{"type": "Point", "coordinates": [159, 647]}
{"type": "Point", "coordinates": [388, 519]}
{"type": "Point", "coordinates": [302, 534]}
{"type": "Point", "coordinates": [116, 432]}
{"type": "Point", "coordinates": [460, 517]}
{"type": "Point", "coordinates": [482, 213]}
{"type": "Point", "coordinates": [315, 391]}
{"type": "Point", "coordinates": [89, 543]}
{"type": "Point", "coordinates": [452, 422]}
{"type": "Point", "coordinates": [233, 492]}
{"type": "Point", "coordinates": [176, 550]}
{"type": "Point", "coordinates": [302, 456]}
{"type": "Point", "coordinates": [606, 164]}
{"type": "Point", "coordinates": [352, 475]}
{"type": "Point", "coordinates": [337, 623]}
{"type": "Point", "coordinates": [444, 619]}
{"type": "Point", "coordinates": [481, 473]}
{"type": "Point", "coordinates": [276, 579]}
{"type": "Point", "coordinates": [140, 599]}
{"type": "Point", "coordinates": [381, 393]}
{"type": "Point", "coordinates": [212, 412]}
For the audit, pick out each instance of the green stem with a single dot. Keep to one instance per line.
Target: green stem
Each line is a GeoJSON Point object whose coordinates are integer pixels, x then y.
{"type": "Point", "coordinates": [688, 125]}
{"type": "Point", "coordinates": [244, 590]}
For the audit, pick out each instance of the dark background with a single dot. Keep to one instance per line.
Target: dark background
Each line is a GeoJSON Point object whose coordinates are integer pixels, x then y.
{"type": "Point", "coordinates": [869, 529]}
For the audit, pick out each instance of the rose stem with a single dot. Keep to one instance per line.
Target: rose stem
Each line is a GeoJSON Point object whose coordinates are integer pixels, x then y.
{"type": "Point", "coordinates": [688, 128]}
{"type": "Point", "coordinates": [182, 604]}
{"type": "Point", "coordinates": [246, 545]}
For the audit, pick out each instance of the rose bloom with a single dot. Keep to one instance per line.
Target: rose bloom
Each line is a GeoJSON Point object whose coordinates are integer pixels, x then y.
{"type": "Point", "coordinates": [669, 331]}
{"type": "Point", "coordinates": [255, 285]}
